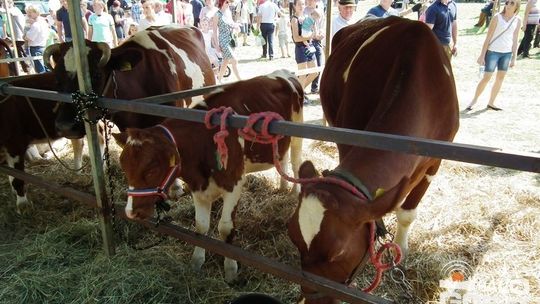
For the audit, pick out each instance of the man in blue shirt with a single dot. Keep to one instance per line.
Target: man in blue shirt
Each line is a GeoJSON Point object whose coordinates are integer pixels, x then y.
{"type": "Point", "coordinates": [441, 17]}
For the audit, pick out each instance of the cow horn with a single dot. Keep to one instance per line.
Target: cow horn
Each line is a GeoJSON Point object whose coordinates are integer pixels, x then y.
{"type": "Point", "coordinates": [106, 53]}
{"type": "Point", "coordinates": [49, 51]}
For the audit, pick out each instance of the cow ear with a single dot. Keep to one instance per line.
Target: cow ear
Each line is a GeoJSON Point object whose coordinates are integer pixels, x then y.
{"type": "Point", "coordinates": [307, 170]}
{"type": "Point", "coordinates": [121, 138]}
{"type": "Point", "coordinates": [386, 201]}
{"type": "Point", "coordinates": [125, 60]}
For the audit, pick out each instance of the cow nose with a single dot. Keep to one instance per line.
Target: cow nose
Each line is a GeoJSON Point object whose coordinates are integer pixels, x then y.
{"type": "Point", "coordinates": [71, 130]}
{"type": "Point", "coordinates": [131, 215]}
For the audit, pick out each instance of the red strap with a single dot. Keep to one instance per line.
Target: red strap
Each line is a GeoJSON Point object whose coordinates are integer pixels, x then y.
{"type": "Point", "coordinates": [221, 135]}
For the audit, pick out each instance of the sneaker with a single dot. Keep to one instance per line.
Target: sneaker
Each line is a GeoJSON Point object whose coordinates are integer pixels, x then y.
{"type": "Point", "coordinates": [314, 91]}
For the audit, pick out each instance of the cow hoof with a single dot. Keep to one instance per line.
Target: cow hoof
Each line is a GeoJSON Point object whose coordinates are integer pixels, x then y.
{"type": "Point", "coordinates": [23, 205]}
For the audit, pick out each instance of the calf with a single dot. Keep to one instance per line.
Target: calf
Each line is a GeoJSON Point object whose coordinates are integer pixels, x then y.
{"type": "Point", "coordinates": [153, 157]}
{"type": "Point", "coordinates": [407, 89]}
{"type": "Point", "coordinates": [19, 128]}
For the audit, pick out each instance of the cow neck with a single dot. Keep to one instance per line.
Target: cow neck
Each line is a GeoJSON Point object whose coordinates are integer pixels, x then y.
{"type": "Point", "coordinates": [351, 179]}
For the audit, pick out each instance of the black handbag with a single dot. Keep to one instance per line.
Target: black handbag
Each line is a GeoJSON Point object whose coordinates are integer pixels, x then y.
{"type": "Point", "coordinates": [233, 42]}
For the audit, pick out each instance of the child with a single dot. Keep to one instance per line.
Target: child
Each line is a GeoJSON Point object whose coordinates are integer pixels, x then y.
{"type": "Point", "coordinates": [281, 32]}
{"type": "Point", "coordinates": [132, 29]}
{"type": "Point", "coordinates": [207, 35]}
{"type": "Point", "coordinates": [309, 24]}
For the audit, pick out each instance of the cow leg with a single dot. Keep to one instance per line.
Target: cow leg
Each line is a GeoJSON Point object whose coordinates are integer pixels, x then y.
{"type": "Point", "coordinates": [406, 213]}
{"type": "Point", "coordinates": [77, 145]}
{"type": "Point", "coordinates": [32, 154]}
{"type": "Point", "coordinates": [296, 151]}
{"type": "Point", "coordinates": [203, 206]}
{"type": "Point", "coordinates": [226, 226]}
{"type": "Point", "coordinates": [17, 162]}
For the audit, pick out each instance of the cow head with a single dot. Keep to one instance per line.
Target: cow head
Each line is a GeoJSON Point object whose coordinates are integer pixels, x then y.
{"type": "Point", "coordinates": [150, 162]}
{"type": "Point", "coordinates": [330, 228]}
{"type": "Point", "coordinates": [65, 70]}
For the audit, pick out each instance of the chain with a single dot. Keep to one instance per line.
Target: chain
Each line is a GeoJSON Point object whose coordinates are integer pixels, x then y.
{"type": "Point", "coordinates": [108, 126]}
{"type": "Point", "coordinates": [84, 102]}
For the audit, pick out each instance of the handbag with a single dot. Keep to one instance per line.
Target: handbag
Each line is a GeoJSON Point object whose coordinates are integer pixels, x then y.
{"type": "Point", "coordinates": [233, 42]}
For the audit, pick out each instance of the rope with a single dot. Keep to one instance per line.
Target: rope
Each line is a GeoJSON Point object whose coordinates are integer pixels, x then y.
{"type": "Point", "coordinates": [221, 135]}
{"type": "Point", "coordinates": [49, 139]}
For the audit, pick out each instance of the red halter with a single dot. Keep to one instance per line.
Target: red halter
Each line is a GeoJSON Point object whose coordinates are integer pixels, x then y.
{"type": "Point", "coordinates": [162, 189]}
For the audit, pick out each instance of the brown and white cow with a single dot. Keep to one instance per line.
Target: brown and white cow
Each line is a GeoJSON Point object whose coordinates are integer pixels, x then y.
{"type": "Point", "coordinates": [19, 128]}
{"type": "Point", "coordinates": [385, 75]}
{"type": "Point", "coordinates": [155, 61]}
{"type": "Point", "coordinates": [150, 158]}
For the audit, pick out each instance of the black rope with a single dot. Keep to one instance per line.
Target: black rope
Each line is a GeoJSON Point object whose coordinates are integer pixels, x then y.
{"type": "Point", "coordinates": [87, 102]}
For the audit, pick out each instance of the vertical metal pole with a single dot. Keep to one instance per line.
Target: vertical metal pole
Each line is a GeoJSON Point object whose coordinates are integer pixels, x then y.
{"type": "Point", "coordinates": [174, 11]}
{"type": "Point", "coordinates": [328, 28]}
{"type": "Point", "coordinates": [85, 86]}
{"type": "Point", "coordinates": [13, 40]}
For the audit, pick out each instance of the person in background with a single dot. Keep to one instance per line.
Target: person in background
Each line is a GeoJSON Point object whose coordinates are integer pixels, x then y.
{"type": "Point", "coordinates": [101, 25]}
{"type": "Point", "coordinates": [441, 17]}
{"type": "Point", "coordinates": [36, 36]}
{"type": "Point", "coordinates": [485, 14]}
{"type": "Point", "coordinates": [303, 57]}
{"type": "Point", "coordinates": [62, 23]}
{"type": "Point", "coordinates": [282, 28]}
{"type": "Point", "coordinates": [84, 10]}
{"type": "Point", "coordinates": [243, 19]}
{"type": "Point", "coordinates": [189, 18]}
{"type": "Point", "coordinates": [222, 36]}
{"type": "Point", "coordinates": [18, 22]}
{"type": "Point", "coordinates": [136, 11]}
{"type": "Point", "coordinates": [162, 17]}
{"type": "Point", "coordinates": [117, 13]}
{"type": "Point", "coordinates": [499, 51]}
{"type": "Point", "coordinates": [268, 12]}
{"type": "Point", "coordinates": [532, 18]}
{"type": "Point", "coordinates": [208, 12]}
{"type": "Point", "coordinates": [385, 9]}
{"type": "Point", "coordinates": [346, 10]}
{"type": "Point", "coordinates": [318, 36]}
{"type": "Point", "coordinates": [197, 7]}
{"type": "Point", "coordinates": [149, 17]}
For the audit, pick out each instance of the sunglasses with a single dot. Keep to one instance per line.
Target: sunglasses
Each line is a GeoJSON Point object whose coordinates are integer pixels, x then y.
{"type": "Point", "coordinates": [510, 3]}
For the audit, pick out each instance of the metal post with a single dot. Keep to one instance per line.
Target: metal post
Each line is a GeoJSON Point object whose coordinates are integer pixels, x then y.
{"type": "Point", "coordinates": [13, 39]}
{"type": "Point", "coordinates": [174, 12]}
{"type": "Point", "coordinates": [85, 86]}
{"type": "Point", "coordinates": [328, 28]}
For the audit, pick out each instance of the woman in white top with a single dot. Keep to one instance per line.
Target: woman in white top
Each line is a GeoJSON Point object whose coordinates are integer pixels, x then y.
{"type": "Point", "coordinates": [149, 14]}
{"type": "Point", "coordinates": [101, 25]}
{"type": "Point", "coordinates": [499, 51]}
{"type": "Point", "coordinates": [36, 35]}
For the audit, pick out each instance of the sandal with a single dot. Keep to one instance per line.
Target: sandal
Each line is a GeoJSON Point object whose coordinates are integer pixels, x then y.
{"type": "Point", "coordinates": [490, 107]}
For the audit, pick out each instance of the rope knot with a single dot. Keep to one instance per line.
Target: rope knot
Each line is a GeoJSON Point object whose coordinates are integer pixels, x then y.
{"type": "Point", "coordinates": [264, 137]}
{"type": "Point", "coordinates": [221, 135]}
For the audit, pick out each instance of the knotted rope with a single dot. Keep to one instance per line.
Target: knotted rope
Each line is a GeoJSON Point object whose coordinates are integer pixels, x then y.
{"type": "Point", "coordinates": [221, 135]}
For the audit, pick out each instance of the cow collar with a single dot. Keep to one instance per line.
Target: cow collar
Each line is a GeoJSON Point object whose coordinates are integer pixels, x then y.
{"type": "Point", "coordinates": [351, 179]}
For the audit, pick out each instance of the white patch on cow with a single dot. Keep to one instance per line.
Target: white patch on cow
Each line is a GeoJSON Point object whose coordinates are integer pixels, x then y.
{"type": "Point", "coordinates": [429, 178]}
{"type": "Point", "coordinates": [447, 70]}
{"type": "Point", "coordinates": [242, 142]}
{"type": "Point", "coordinates": [302, 301]}
{"type": "Point", "coordinates": [404, 220]}
{"type": "Point", "coordinates": [195, 103]}
{"type": "Point", "coordinates": [144, 40]}
{"type": "Point", "coordinates": [247, 109]}
{"type": "Point", "coordinates": [310, 217]}
{"type": "Point", "coordinates": [129, 205]}
{"type": "Point", "coordinates": [368, 41]}
{"type": "Point", "coordinates": [133, 141]}
{"type": "Point", "coordinates": [69, 60]}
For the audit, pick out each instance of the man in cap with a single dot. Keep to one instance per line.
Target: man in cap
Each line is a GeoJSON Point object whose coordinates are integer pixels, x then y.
{"type": "Point", "coordinates": [346, 10]}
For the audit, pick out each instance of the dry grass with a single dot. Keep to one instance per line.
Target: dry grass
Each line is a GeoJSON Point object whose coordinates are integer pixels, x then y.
{"type": "Point", "coordinates": [487, 217]}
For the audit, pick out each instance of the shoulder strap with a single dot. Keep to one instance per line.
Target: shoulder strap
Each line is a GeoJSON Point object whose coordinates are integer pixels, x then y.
{"type": "Point", "coordinates": [506, 29]}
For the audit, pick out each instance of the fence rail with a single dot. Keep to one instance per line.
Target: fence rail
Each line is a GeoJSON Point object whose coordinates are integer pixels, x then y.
{"type": "Point", "coordinates": [482, 155]}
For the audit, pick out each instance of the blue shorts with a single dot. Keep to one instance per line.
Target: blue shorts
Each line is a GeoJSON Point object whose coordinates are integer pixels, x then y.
{"type": "Point", "coordinates": [496, 59]}
{"type": "Point", "coordinates": [300, 54]}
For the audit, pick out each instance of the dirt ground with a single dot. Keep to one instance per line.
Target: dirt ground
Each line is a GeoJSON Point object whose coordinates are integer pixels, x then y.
{"type": "Point", "coordinates": [479, 220]}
